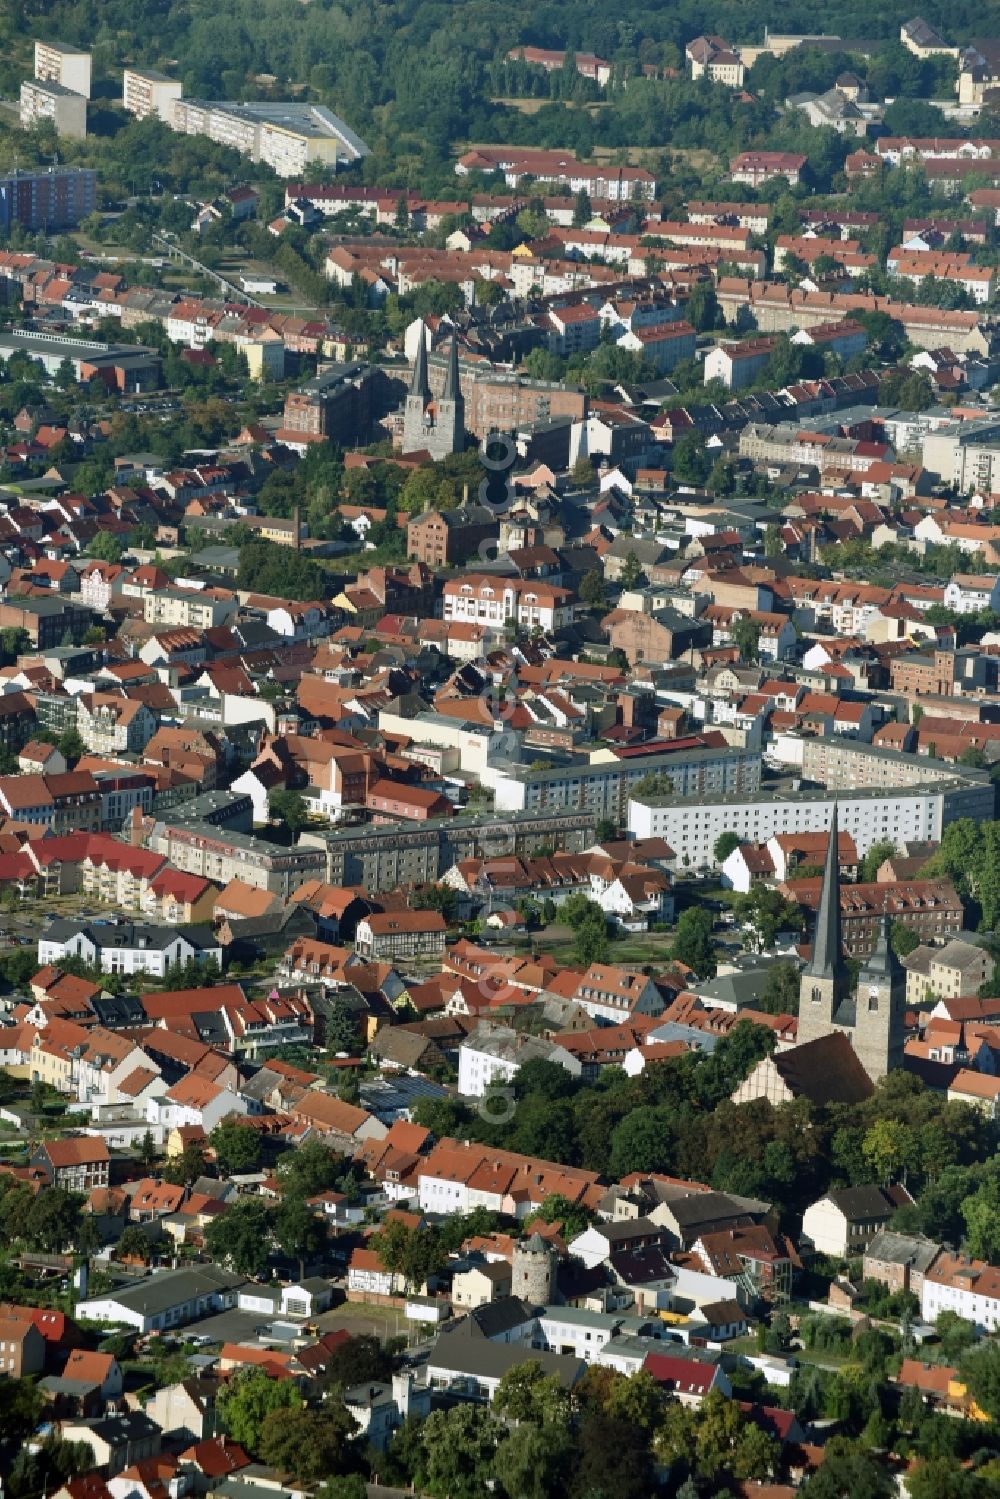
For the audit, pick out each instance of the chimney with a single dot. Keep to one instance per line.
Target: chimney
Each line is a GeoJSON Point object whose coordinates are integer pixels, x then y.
{"type": "Point", "coordinates": [297, 529]}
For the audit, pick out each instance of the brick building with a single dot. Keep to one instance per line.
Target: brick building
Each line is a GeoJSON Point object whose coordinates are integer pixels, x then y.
{"type": "Point", "coordinates": [930, 908]}
{"type": "Point", "coordinates": [439, 537]}
{"type": "Point", "coordinates": [504, 402]}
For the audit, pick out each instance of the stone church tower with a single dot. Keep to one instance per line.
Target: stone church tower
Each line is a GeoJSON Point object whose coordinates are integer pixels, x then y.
{"type": "Point", "coordinates": [429, 425]}
{"type": "Point", "coordinates": [873, 1016]}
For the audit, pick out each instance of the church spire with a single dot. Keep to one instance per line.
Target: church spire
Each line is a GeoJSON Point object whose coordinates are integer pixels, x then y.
{"type": "Point", "coordinates": [419, 384]}
{"type": "Point", "coordinates": [825, 962]}
{"type": "Point", "coordinates": [451, 388]}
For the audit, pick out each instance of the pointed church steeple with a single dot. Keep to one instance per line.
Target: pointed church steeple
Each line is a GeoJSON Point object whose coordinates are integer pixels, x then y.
{"type": "Point", "coordinates": [419, 383]}
{"type": "Point", "coordinates": [882, 966]}
{"type": "Point", "coordinates": [451, 386]}
{"type": "Point", "coordinates": [825, 961]}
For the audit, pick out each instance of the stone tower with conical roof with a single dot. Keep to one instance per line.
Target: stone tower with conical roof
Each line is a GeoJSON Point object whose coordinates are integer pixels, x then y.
{"type": "Point", "coordinates": [434, 426]}
{"type": "Point", "coordinates": [533, 1271]}
{"type": "Point", "coordinates": [823, 988]}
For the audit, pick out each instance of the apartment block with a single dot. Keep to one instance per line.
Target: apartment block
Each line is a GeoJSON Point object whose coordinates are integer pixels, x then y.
{"type": "Point", "coordinates": [289, 137]}
{"type": "Point", "coordinates": [220, 855]}
{"type": "Point", "coordinates": [691, 825]}
{"type": "Point", "coordinates": [181, 610]}
{"type": "Point", "coordinates": [146, 93]}
{"type": "Point", "coordinates": [47, 197]}
{"type": "Point", "coordinates": [845, 765]}
{"type": "Point", "coordinates": [44, 99]}
{"type": "Point", "coordinates": [604, 787]}
{"type": "Point", "coordinates": [57, 63]}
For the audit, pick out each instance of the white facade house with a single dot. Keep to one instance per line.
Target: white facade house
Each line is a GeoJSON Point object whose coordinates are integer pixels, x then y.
{"type": "Point", "coordinates": [497, 1056]}
{"type": "Point", "coordinates": [193, 1100]}
{"type": "Point", "coordinates": [502, 601]}
{"type": "Point", "coordinates": [967, 593]}
{"type": "Point", "coordinates": [969, 1288]}
{"type": "Point", "coordinates": [124, 947]}
{"type": "Point", "coordinates": [843, 1222]}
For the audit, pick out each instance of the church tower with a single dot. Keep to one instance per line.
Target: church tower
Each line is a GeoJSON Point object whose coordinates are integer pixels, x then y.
{"type": "Point", "coordinates": [434, 426]}
{"type": "Point", "coordinates": [822, 990]}
{"type": "Point", "coordinates": [880, 1021]}
{"type": "Point", "coordinates": [873, 1017]}
{"type": "Point", "coordinates": [415, 418]}
{"type": "Point", "coordinates": [450, 424]}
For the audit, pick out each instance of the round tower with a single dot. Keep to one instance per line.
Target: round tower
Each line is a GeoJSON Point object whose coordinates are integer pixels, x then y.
{"type": "Point", "coordinates": [533, 1268]}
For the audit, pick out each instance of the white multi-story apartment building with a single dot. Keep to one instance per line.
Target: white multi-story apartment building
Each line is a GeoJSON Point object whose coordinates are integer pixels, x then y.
{"type": "Point", "coordinates": [146, 92]}
{"type": "Point", "coordinates": [289, 137]}
{"type": "Point", "coordinates": [45, 99]}
{"type": "Point", "coordinates": [70, 66]}
{"type": "Point", "coordinates": [692, 825]}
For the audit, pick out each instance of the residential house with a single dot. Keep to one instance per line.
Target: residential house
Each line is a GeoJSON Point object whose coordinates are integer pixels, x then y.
{"type": "Point", "coordinates": [846, 1220]}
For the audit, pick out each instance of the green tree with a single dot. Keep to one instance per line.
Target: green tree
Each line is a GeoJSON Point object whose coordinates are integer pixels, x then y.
{"type": "Point", "coordinates": [745, 634]}
{"type": "Point", "coordinates": [106, 547]}
{"type": "Point", "coordinates": [236, 1145]}
{"type": "Point", "coordinates": [980, 1371]}
{"type": "Point", "coordinates": [310, 1168]}
{"type": "Point", "coordinates": [848, 1473]}
{"type": "Point", "coordinates": [300, 1232]}
{"type": "Point", "coordinates": [459, 1451]}
{"type": "Point", "coordinates": [765, 912]}
{"type": "Point", "coordinates": [14, 641]}
{"type": "Point", "coordinates": [592, 590]}
{"type": "Point", "coordinates": [290, 808]}
{"type": "Point", "coordinates": [781, 989]}
{"type": "Point", "coordinates": [133, 1244]}
{"type": "Point", "coordinates": [903, 939]}
{"type": "Point", "coordinates": [875, 858]}
{"type": "Point", "coordinates": [887, 1147]}
{"type": "Point", "coordinates": [631, 571]}
{"type": "Point", "coordinates": [582, 474]}
{"type": "Point", "coordinates": [53, 1220]}
{"type": "Point", "coordinates": [344, 1486]}
{"type": "Point", "coordinates": [240, 1237]}
{"type": "Point", "coordinates": [702, 307]}
{"type": "Point", "coordinates": [653, 783]}
{"type": "Point", "coordinates": [582, 210]}
{"type": "Point", "coordinates": [691, 463]}
{"type": "Point", "coordinates": [248, 1399]}
{"type": "Point", "coordinates": [693, 944]}
{"type": "Point", "coordinates": [340, 1028]}
{"type": "Point", "coordinates": [358, 1360]}
{"type": "Point", "coordinates": [311, 1444]}
{"type": "Point", "coordinates": [724, 845]}
{"type": "Point", "coordinates": [526, 1393]}
{"type": "Point", "coordinates": [535, 1462]}
{"type": "Point", "coordinates": [185, 1168]}
{"type": "Point", "coordinates": [610, 1461]}
{"type": "Point", "coordinates": [71, 746]}
{"type": "Point", "coordinates": [20, 1407]}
